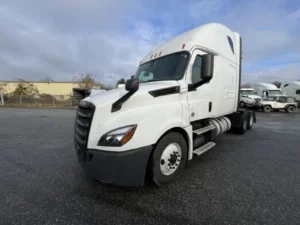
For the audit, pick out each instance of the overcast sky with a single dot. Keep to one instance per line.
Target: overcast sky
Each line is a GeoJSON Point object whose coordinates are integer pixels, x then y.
{"type": "Point", "coordinates": [108, 38]}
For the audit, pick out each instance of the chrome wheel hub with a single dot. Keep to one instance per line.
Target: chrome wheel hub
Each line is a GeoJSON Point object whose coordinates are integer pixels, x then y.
{"type": "Point", "coordinates": [170, 159]}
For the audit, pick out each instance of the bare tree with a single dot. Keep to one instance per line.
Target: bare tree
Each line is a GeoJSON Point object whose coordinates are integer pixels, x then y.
{"type": "Point", "coordinates": [121, 81]}
{"type": "Point", "coordinates": [47, 79]}
{"type": "Point", "coordinates": [247, 85]}
{"type": "Point", "coordinates": [86, 81]}
{"type": "Point", "coordinates": [25, 88]}
{"type": "Point", "coordinates": [2, 87]}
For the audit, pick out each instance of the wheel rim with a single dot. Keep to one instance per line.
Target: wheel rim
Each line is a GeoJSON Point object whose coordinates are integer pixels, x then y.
{"type": "Point", "coordinates": [291, 109]}
{"type": "Point", "coordinates": [170, 159]}
{"type": "Point", "coordinates": [251, 120]}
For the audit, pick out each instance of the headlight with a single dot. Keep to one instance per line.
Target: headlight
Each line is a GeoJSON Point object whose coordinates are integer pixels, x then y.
{"type": "Point", "coordinates": [117, 137]}
{"type": "Point", "coordinates": [250, 100]}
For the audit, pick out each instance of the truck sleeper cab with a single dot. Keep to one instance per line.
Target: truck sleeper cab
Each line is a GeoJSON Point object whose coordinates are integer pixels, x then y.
{"type": "Point", "coordinates": [184, 94]}
{"type": "Point", "coordinates": [266, 90]}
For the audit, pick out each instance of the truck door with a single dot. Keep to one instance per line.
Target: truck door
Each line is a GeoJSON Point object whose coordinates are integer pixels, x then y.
{"type": "Point", "coordinates": [201, 100]}
{"type": "Point", "coordinates": [280, 103]}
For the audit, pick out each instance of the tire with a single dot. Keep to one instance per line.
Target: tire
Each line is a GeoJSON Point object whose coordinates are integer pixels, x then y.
{"type": "Point", "coordinates": [242, 104]}
{"type": "Point", "coordinates": [159, 167]}
{"type": "Point", "coordinates": [290, 109]}
{"type": "Point", "coordinates": [243, 127]}
{"type": "Point", "coordinates": [250, 120]}
{"type": "Point", "coordinates": [267, 108]}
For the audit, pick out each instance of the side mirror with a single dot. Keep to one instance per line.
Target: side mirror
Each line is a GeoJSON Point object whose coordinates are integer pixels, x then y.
{"type": "Point", "coordinates": [132, 85]}
{"type": "Point", "coordinates": [207, 68]}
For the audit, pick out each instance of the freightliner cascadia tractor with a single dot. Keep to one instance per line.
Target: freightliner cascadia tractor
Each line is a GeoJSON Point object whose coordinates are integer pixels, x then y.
{"type": "Point", "coordinates": [184, 94]}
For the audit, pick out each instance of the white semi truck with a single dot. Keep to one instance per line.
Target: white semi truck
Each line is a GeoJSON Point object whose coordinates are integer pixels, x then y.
{"type": "Point", "coordinates": [292, 89]}
{"type": "Point", "coordinates": [184, 94]}
{"type": "Point", "coordinates": [266, 90]}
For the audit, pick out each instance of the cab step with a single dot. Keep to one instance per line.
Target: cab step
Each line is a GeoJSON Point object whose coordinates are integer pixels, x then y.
{"type": "Point", "coordinates": [204, 129]}
{"type": "Point", "coordinates": [204, 148]}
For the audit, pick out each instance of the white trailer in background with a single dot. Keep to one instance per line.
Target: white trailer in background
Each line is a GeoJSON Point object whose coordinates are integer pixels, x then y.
{"type": "Point", "coordinates": [292, 89]}
{"type": "Point", "coordinates": [266, 90]}
{"type": "Point", "coordinates": [184, 94]}
{"type": "Point", "coordinates": [121, 85]}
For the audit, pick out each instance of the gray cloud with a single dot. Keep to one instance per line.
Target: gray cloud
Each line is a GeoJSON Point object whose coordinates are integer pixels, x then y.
{"type": "Point", "coordinates": [282, 73]}
{"type": "Point", "coordinates": [64, 38]}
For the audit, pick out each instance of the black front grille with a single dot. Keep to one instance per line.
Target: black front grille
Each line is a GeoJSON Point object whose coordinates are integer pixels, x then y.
{"type": "Point", "coordinates": [84, 117]}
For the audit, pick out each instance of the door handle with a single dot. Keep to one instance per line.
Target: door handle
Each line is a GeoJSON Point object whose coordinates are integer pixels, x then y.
{"type": "Point", "coordinates": [209, 106]}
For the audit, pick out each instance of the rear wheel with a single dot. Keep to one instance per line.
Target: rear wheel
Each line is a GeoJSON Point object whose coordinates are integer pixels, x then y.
{"type": "Point", "coordinates": [267, 108]}
{"type": "Point", "coordinates": [243, 126]}
{"type": "Point", "coordinates": [290, 109]}
{"type": "Point", "coordinates": [168, 159]}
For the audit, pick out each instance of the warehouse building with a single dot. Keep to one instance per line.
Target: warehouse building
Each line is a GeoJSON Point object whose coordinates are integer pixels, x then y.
{"type": "Point", "coordinates": [50, 88]}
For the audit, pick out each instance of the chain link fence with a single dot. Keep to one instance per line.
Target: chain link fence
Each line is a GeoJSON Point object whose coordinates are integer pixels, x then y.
{"type": "Point", "coordinates": [44, 100]}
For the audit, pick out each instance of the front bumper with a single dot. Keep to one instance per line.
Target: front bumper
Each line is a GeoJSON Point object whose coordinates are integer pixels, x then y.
{"type": "Point", "coordinates": [126, 169]}
{"type": "Point", "coordinates": [255, 105]}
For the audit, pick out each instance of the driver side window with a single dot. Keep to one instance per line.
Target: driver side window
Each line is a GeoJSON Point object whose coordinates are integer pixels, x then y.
{"type": "Point", "coordinates": [196, 70]}
{"type": "Point", "coordinates": [281, 100]}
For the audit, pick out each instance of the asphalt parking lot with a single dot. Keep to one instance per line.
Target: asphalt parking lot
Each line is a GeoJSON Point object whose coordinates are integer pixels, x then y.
{"type": "Point", "coordinates": [249, 179]}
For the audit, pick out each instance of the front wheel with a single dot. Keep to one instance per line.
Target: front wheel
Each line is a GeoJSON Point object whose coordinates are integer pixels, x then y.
{"type": "Point", "coordinates": [267, 108]}
{"type": "Point", "coordinates": [290, 109]}
{"type": "Point", "coordinates": [168, 159]}
{"type": "Point", "coordinates": [242, 104]}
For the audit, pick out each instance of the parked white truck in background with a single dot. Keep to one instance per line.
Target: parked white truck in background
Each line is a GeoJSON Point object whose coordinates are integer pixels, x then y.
{"type": "Point", "coordinates": [248, 98]}
{"type": "Point", "coordinates": [184, 94]}
{"type": "Point", "coordinates": [266, 90]}
{"type": "Point", "coordinates": [292, 89]}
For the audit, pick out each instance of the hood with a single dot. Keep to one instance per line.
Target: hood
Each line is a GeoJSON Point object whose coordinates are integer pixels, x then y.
{"type": "Point", "coordinates": [254, 96]}
{"type": "Point", "coordinates": [109, 97]}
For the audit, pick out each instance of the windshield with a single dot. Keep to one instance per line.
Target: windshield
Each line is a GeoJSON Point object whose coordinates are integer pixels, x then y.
{"type": "Point", "coordinates": [274, 92]}
{"type": "Point", "coordinates": [247, 92]}
{"type": "Point", "coordinates": [170, 67]}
